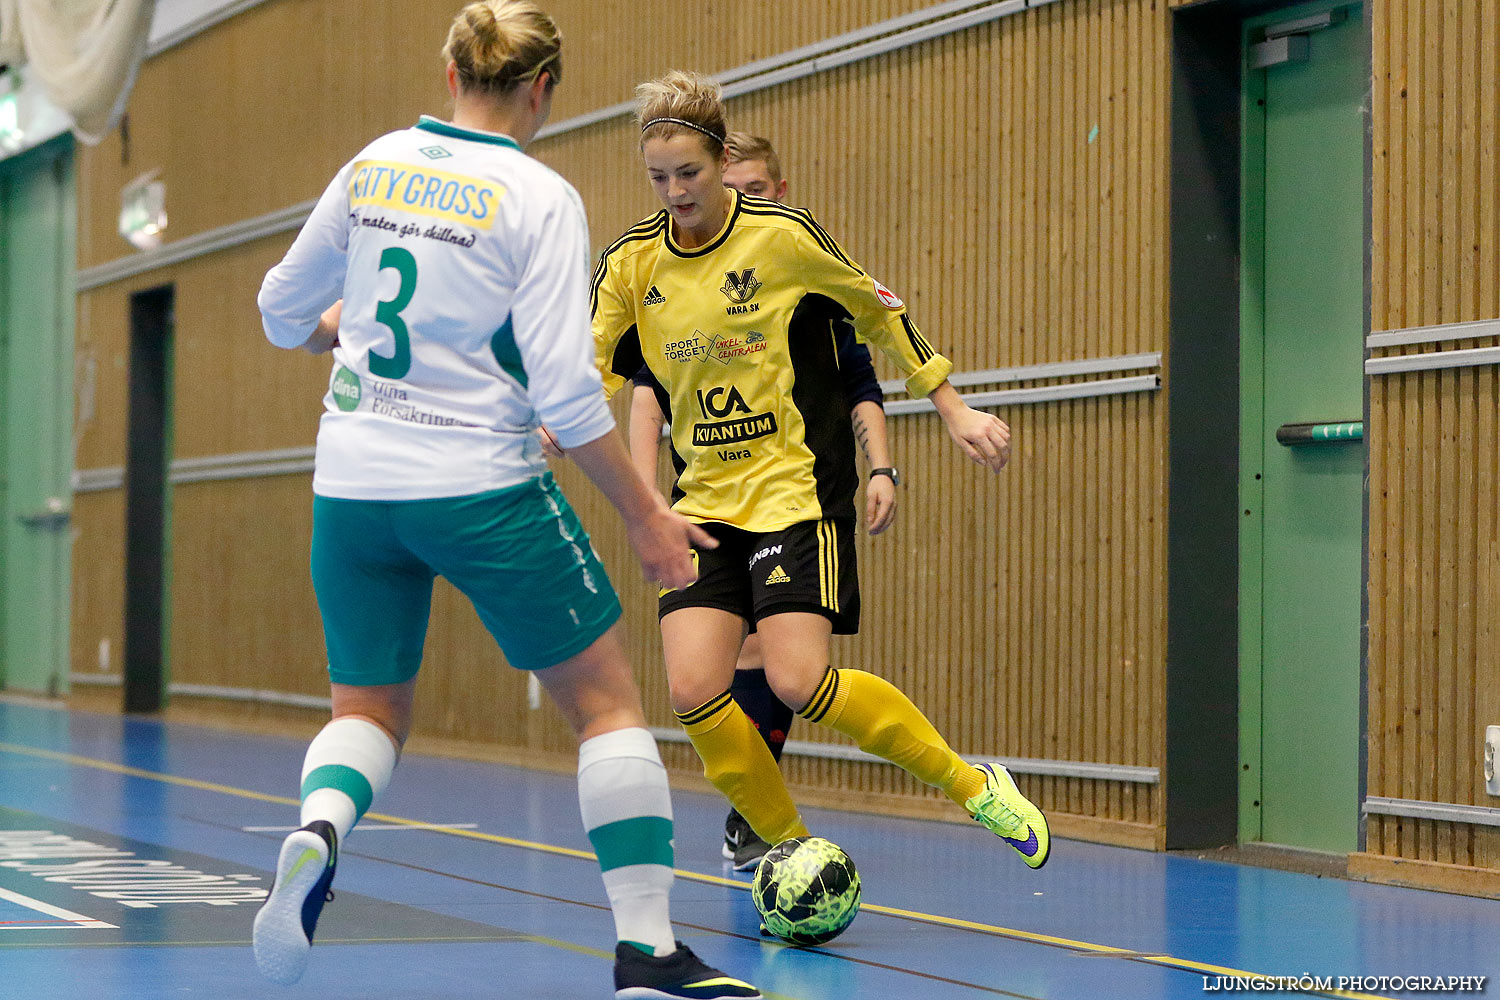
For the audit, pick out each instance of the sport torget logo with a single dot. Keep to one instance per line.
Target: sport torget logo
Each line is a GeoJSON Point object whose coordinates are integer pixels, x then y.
{"type": "Point", "coordinates": [688, 349]}
{"type": "Point", "coordinates": [718, 347]}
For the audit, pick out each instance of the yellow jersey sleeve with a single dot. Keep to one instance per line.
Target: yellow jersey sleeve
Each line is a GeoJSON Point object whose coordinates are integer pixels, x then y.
{"type": "Point", "coordinates": [878, 313]}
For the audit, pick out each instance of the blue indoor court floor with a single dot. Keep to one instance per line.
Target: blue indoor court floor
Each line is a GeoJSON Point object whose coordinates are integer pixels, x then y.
{"type": "Point", "coordinates": [133, 854]}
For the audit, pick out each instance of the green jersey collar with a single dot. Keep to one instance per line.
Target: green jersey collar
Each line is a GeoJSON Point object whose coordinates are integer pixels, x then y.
{"type": "Point", "coordinates": [431, 124]}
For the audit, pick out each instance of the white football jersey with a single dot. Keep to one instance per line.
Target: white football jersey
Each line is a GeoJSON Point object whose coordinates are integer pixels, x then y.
{"type": "Point", "coordinates": [463, 265]}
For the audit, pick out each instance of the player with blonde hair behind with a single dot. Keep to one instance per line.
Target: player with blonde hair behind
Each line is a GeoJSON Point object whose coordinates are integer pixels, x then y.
{"type": "Point", "coordinates": [447, 272]}
{"type": "Point", "coordinates": [733, 302]}
{"type": "Point", "coordinates": [753, 167]}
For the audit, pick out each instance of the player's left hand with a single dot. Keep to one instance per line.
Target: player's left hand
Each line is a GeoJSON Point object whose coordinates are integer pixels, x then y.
{"type": "Point", "coordinates": [983, 437]}
{"type": "Point", "coordinates": [549, 444]}
{"type": "Point", "coordinates": [880, 504]}
{"type": "Point", "coordinates": [325, 336]}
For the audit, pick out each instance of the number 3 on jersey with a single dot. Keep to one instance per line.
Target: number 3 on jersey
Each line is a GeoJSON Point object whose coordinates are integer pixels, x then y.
{"type": "Point", "coordinates": [388, 314]}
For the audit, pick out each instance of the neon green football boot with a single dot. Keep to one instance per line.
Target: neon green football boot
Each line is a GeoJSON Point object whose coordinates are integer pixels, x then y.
{"type": "Point", "coordinates": [1011, 816]}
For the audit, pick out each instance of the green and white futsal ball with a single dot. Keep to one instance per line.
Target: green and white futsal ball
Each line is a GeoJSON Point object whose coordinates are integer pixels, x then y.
{"type": "Point", "coordinates": [806, 890]}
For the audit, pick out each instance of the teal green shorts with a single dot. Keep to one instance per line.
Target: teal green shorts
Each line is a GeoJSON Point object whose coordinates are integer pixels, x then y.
{"type": "Point", "coordinates": [519, 554]}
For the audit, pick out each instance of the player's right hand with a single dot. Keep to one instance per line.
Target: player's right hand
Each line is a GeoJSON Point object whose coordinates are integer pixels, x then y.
{"type": "Point", "coordinates": [983, 437]}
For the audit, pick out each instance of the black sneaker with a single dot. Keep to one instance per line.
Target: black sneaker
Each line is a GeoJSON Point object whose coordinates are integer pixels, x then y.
{"type": "Point", "coordinates": [285, 924]}
{"type": "Point", "coordinates": [741, 844]}
{"type": "Point", "coordinates": [678, 976]}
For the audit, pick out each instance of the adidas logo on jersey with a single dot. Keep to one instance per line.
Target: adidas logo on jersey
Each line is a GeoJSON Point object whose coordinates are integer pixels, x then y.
{"type": "Point", "coordinates": [778, 575]}
{"type": "Point", "coordinates": [654, 298]}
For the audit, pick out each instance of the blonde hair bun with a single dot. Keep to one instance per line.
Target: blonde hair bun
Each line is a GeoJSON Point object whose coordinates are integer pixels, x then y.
{"type": "Point", "coordinates": [496, 44]}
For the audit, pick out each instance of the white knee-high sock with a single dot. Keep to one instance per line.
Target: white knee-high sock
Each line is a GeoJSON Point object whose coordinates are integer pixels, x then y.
{"type": "Point", "coordinates": [627, 811]}
{"type": "Point", "coordinates": [348, 764]}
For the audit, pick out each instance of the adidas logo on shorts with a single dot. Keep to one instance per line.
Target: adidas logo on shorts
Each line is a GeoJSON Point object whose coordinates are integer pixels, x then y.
{"type": "Point", "coordinates": [654, 298]}
{"type": "Point", "coordinates": [778, 575]}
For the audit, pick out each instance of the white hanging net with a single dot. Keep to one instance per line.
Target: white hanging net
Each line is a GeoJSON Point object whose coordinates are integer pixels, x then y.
{"type": "Point", "coordinates": [10, 33]}
{"type": "Point", "coordinates": [84, 53]}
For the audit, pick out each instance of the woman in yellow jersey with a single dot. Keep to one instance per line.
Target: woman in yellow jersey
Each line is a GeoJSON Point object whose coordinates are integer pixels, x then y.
{"type": "Point", "coordinates": [734, 303]}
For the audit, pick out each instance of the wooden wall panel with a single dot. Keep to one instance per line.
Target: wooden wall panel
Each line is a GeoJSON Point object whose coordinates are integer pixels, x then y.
{"type": "Point", "coordinates": [232, 390]}
{"type": "Point", "coordinates": [1009, 181]}
{"type": "Point", "coordinates": [98, 568]}
{"type": "Point", "coordinates": [242, 608]}
{"type": "Point", "coordinates": [1434, 556]}
{"type": "Point", "coordinates": [101, 374]}
{"type": "Point", "coordinates": [339, 74]}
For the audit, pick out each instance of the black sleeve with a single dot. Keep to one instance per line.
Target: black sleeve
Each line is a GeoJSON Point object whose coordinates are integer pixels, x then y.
{"type": "Point", "coordinates": [644, 379]}
{"type": "Point", "coordinates": [627, 359]}
{"type": "Point", "coordinates": [858, 371]}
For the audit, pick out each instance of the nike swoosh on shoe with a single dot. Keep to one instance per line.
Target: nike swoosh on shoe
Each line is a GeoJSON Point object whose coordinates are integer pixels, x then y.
{"type": "Point", "coordinates": [1028, 846]}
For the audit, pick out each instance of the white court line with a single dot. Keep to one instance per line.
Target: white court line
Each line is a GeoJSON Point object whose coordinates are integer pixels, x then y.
{"type": "Point", "coordinates": [363, 827]}
{"type": "Point", "coordinates": [77, 919]}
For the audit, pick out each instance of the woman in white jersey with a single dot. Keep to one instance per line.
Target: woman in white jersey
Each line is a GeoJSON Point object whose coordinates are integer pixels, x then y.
{"type": "Point", "coordinates": [447, 272]}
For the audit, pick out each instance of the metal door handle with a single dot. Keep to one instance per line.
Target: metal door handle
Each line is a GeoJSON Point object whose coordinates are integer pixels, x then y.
{"type": "Point", "coordinates": [54, 515]}
{"type": "Point", "coordinates": [1292, 435]}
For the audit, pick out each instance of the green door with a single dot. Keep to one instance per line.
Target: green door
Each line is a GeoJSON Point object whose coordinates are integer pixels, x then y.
{"type": "Point", "coordinates": [1303, 352]}
{"type": "Point", "coordinates": [36, 403]}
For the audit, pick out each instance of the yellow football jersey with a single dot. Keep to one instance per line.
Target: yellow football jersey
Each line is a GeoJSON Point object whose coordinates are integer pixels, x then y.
{"type": "Point", "coordinates": [740, 332]}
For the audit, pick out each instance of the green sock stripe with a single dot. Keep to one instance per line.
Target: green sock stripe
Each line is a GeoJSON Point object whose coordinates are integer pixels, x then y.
{"type": "Point", "coordinates": [345, 779]}
{"type": "Point", "coordinates": [640, 840]}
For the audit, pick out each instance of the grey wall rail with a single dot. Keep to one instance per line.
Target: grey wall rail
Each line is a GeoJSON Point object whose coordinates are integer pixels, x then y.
{"type": "Point", "coordinates": [1041, 393]}
{"type": "Point", "coordinates": [1376, 805]}
{"type": "Point", "coordinates": [1434, 334]}
{"type": "Point", "coordinates": [211, 468]}
{"type": "Point", "coordinates": [1433, 360]}
{"type": "Point", "coordinates": [798, 748]}
{"type": "Point", "coordinates": [288, 461]}
{"type": "Point", "coordinates": [1131, 773]}
{"type": "Point", "coordinates": [1038, 394]}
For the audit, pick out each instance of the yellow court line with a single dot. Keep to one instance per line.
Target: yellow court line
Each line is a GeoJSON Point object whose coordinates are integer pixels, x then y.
{"type": "Point", "coordinates": [1168, 961]}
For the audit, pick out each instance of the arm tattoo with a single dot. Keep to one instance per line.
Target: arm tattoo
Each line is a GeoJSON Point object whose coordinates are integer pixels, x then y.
{"type": "Point", "coordinates": [862, 435]}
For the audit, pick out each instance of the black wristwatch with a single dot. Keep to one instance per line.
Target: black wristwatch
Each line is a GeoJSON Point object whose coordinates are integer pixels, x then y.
{"type": "Point", "coordinates": [895, 476]}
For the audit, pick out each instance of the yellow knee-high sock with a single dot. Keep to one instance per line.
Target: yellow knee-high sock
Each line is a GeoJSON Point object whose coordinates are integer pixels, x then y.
{"type": "Point", "coordinates": [738, 763]}
{"type": "Point", "coordinates": [884, 722]}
